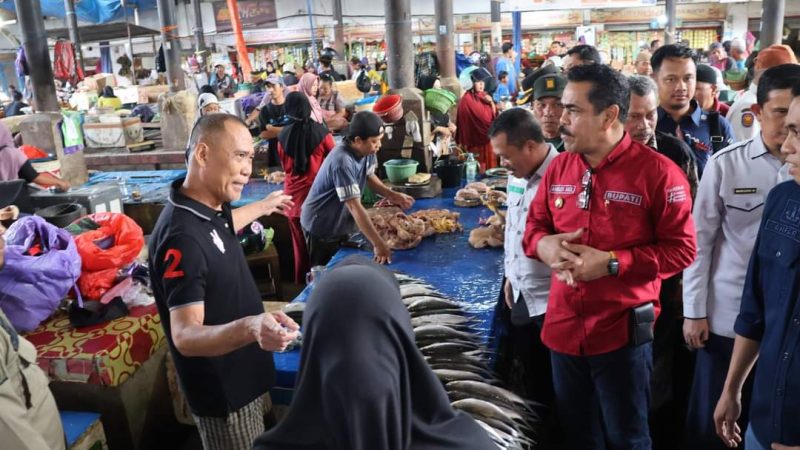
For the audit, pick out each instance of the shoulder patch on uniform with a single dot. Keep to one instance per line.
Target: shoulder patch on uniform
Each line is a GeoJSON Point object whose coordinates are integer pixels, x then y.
{"type": "Point", "coordinates": [748, 119]}
{"type": "Point", "coordinates": [791, 212]}
{"type": "Point", "coordinates": [676, 194]}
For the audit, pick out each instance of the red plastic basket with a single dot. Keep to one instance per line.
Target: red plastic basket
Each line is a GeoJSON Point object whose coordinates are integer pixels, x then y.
{"type": "Point", "coordinates": [389, 108]}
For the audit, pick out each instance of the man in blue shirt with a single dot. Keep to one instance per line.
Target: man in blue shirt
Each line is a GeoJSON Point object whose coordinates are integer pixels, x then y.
{"type": "Point", "coordinates": [506, 63]}
{"type": "Point", "coordinates": [679, 114]}
{"type": "Point", "coordinates": [768, 326]}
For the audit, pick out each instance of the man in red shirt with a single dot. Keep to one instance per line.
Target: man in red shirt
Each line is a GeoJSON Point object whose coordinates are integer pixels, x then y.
{"type": "Point", "coordinates": [613, 218]}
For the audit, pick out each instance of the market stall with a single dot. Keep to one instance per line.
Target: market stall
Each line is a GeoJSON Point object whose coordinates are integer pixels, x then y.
{"type": "Point", "coordinates": [446, 261]}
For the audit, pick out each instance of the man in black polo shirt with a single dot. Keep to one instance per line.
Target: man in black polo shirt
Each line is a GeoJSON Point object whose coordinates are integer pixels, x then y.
{"type": "Point", "coordinates": [211, 310]}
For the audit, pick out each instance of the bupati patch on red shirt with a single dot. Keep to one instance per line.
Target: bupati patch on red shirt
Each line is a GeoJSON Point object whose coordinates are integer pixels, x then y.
{"type": "Point", "coordinates": [562, 189]}
{"type": "Point", "coordinates": [624, 197]}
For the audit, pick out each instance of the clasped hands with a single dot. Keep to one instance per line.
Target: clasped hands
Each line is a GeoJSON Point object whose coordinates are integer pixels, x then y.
{"type": "Point", "coordinates": [572, 262]}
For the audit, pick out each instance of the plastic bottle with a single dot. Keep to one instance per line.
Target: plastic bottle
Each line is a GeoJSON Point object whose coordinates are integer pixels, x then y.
{"type": "Point", "coordinates": [471, 167]}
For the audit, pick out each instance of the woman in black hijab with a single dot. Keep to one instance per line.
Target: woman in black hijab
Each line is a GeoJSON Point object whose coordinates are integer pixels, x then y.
{"type": "Point", "coordinates": [364, 385]}
{"type": "Point", "coordinates": [302, 146]}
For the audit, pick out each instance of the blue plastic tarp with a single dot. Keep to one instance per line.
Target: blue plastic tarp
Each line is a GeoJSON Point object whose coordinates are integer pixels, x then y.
{"type": "Point", "coordinates": [473, 277]}
{"type": "Point", "coordinates": [94, 11]}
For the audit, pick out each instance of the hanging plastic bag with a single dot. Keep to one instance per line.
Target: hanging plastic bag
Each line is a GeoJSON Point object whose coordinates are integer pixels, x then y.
{"type": "Point", "coordinates": [106, 250]}
{"type": "Point", "coordinates": [41, 265]}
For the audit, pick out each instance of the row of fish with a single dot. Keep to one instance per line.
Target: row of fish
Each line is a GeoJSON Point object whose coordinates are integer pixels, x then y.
{"type": "Point", "coordinates": [447, 339]}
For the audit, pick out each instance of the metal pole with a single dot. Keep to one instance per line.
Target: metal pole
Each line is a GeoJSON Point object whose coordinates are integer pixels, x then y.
{"type": "Point", "coordinates": [338, 29]}
{"type": "Point", "coordinates": [34, 39]}
{"type": "Point", "coordinates": [130, 40]}
{"type": "Point", "coordinates": [199, 37]}
{"type": "Point", "coordinates": [772, 12]}
{"type": "Point", "coordinates": [399, 46]}
{"type": "Point", "coordinates": [172, 46]}
{"type": "Point", "coordinates": [313, 32]}
{"type": "Point", "coordinates": [497, 29]}
{"type": "Point", "coordinates": [670, 33]}
{"type": "Point", "coordinates": [72, 25]}
{"type": "Point", "coordinates": [445, 48]}
{"type": "Point", "coordinates": [516, 17]}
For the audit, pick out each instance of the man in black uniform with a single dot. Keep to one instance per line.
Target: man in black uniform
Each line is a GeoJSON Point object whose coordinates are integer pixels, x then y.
{"type": "Point", "coordinates": [211, 310]}
{"type": "Point", "coordinates": [671, 377]}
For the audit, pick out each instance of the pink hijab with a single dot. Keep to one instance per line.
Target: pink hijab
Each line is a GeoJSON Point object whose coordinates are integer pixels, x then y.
{"type": "Point", "coordinates": [306, 82]}
{"type": "Point", "coordinates": [11, 158]}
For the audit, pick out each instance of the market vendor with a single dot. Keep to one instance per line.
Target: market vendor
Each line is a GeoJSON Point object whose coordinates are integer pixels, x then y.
{"type": "Point", "coordinates": [207, 104]}
{"type": "Point", "coordinates": [332, 104]}
{"type": "Point", "coordinates": [218, 333]}
{"type": "Point", "coordinates": [476, 111]}
{"type": "Point", "coordinates": [222, 82]}
{"type": "Point", "coordinates": [14, 165]}
{"type": "Point", "coordinates": [333, 209]}
{"type": "Point", "coordinates": [108, 99]}
{"type": "Point", "coordinates": [271, 117]}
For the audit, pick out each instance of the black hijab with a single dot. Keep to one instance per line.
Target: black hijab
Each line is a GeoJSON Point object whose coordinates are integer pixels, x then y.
{"type": "Point", "coordinates": [364, 385]}
{"type": "Point", "coordinates": [302, 136]}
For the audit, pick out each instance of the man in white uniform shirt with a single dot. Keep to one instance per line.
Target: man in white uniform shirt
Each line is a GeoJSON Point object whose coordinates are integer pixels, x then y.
{"type": "Point", "coordinates": [519, 142]}
{"type": "Point", "coordinates": [727, 215]}
{"type": "Point", "coordinates": [741, 116]}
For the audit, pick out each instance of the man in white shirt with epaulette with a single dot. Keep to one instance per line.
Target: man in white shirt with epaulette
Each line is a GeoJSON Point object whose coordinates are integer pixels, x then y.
{"type": "Point", "coordinates": [741, 116]}
{"type": "Point", "coordinates": [518, 140]}
{"type": "Point", "coordinates": [727, 214]}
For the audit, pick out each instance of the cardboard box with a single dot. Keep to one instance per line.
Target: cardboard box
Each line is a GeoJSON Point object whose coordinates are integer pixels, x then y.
{"type": "Point", "coordinates": [133, 130]}
{"type": "Point", "coordinates": [128, 94]}
{"type": "Point", "coordinates": [149, 94]}
{"type": "Point", "coordinates": [104, 135]}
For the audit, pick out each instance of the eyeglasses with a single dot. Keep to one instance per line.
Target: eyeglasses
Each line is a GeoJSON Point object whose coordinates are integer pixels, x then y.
{"type": "Point", "coordinates": [586, 193]}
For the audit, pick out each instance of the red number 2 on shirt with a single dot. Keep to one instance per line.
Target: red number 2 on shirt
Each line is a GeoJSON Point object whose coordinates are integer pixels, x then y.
{"type": "Point", "coordinates": [171, 271]}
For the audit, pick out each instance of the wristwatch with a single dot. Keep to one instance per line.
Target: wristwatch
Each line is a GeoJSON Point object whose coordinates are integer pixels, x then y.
{"type": "Point", "coordinates": [613, 264]}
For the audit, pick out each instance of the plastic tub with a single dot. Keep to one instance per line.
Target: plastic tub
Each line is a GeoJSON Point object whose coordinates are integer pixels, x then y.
{"type": "Point", "coordinates": [439, 100]}
{"type": "Point", "coordinates": [449, 172]}
{"type": "Point", "coordinates": [62, 214]}
{"type": "Point", "coordinates": [389, 108]}
{"type": "Point", "coordinates": [398, 170]}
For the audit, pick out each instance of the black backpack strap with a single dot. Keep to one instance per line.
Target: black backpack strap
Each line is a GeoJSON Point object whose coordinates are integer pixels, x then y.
{"type": "Point", "coordinates": [715, 130]}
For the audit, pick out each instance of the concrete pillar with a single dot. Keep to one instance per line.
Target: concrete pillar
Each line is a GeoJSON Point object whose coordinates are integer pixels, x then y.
{"type": "Point", "coordinates": [445, 47]}
{"type": "Point", "coordinates": [670, 33]}
{"type": "Point", "coordinates": [497, 29]}
{"type": "Point", "coordinates": [736, 22]}
{"type": "Point", "coordinates": [338, 30]}
{"type": "Point", "coordinates": [772, 12]}
{"type": "Point", "coordinates": [172, 46]}
{"type": "Point", "coordinates": [199, 37]}
{"type": "Point", "coordinates": [34, 39]}
{"type": "Point", "coordinates": [399, 48]}
{"type": "Point", "coordinates": [42, 130]}
{"type": "Point", "coordinates": [72, 25]}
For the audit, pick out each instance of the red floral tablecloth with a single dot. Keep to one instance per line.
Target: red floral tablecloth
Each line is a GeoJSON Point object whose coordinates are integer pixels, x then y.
{"type": "Point", "coordinates": [106, 354]}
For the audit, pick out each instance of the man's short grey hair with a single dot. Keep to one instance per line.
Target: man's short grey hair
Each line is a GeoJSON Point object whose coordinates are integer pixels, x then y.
{"type": "Point", "coordinates": [642, 85]}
